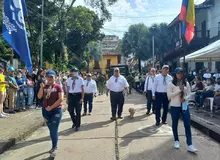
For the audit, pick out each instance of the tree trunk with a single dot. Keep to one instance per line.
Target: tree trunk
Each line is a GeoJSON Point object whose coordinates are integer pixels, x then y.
{"type": "Point", "coordinates": [139, 65]}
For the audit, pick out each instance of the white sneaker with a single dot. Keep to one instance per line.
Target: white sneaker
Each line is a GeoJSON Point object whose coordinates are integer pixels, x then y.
{"type": "Point", "coordinates": [3, 116]}
{"type": "Point", "coordinates": [53, 153]}
{"type": "Point", "coordinates": [32, 107]}
{"type": "Point", "coordinates": [176, 144]}
{"type": "Point", "coordinates": [192, 149]}
{"type": "Point", "coordinates": [6, 114]}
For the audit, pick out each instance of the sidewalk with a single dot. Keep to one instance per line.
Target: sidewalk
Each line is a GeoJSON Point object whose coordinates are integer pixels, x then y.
{"type": "Point", "coordinates": [19, 126]}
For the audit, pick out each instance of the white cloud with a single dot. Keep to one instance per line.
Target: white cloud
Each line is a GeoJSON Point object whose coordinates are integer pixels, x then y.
{"type": "Point", "coordinates": [128, 12]}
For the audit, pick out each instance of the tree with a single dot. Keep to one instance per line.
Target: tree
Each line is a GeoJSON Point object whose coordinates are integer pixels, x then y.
{"type": "Point", "coordinates": [135, 41]}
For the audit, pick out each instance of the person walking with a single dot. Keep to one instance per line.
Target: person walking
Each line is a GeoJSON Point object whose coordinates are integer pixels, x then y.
{"type": "Point", "coordinates": [75, 97]}
{"type": "Point", "coordinates": [149, 82]}
{"type": "Point", "coordinates": [90, 89]}
{"type": "Point", "coordinates": [178, 91]}
{"type": "Point", "coordinates": [116, 85]}
{"type": "Point", "coordinates": [159, 94]}
{"type": "Point", "coordinates": [12, 90]}
{"type": "Point", "coordinates": [3, 85]}
{"type": "Point", "coordinates": [52, 107]}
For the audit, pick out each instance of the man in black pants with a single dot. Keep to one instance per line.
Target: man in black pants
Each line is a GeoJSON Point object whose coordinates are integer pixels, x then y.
{"type": "Point", "coordinates": [116, 85]}
{"type": "Point", "coordinates": [159, 94]}
{"type": "Point", "coordinates": [75, 96]}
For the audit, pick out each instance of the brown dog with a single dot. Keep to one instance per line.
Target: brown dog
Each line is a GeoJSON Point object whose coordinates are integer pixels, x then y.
{"type": "Point", "coordinates": [131, 111]}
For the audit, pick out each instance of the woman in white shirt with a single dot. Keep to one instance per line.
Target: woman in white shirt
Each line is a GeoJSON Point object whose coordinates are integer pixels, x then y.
{"type": "Point", "coordinates": [178, 92]}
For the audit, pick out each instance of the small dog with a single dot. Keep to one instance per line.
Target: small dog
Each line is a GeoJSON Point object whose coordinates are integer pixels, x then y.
{"type": "Point", "coordinates": [131, 111]}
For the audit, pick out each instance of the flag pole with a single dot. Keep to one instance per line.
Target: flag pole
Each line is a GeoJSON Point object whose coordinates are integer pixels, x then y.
{"type": "Point", "coordinates": [42, 35]}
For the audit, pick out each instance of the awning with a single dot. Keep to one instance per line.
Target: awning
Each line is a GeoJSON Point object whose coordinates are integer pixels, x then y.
{"type": "Point", "coordinates": [206, 54]}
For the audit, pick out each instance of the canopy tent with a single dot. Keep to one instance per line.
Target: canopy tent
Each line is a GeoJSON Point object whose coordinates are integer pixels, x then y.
{"type": "Point", "coordinates": [206, 54]}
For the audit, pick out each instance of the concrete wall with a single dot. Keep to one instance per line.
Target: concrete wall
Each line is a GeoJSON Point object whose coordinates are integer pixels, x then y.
{"type": "Point", "coordinates": [212, 17]}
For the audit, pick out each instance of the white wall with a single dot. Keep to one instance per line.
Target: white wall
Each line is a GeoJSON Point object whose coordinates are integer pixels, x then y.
{"type": "Point", "coordinates": [212, 17]}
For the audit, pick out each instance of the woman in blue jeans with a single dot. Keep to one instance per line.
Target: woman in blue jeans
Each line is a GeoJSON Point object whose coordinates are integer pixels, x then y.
{"type": "Point", "coordinates": [52, 107]}
{"type": "Point", "coordinates": [178, 92]}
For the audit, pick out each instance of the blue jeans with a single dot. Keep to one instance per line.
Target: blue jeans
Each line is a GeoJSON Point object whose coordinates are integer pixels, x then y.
{"type": "Point", "coordinates": [30, 92]}
{"type": "Point", "coordinates": [176, 112]}
{"type": "Point", "coordinates": [204, 95]}
{"type": "Point", "coordinates": [20, 101]}
{"type": "Point", "coordinates": [53, 119]}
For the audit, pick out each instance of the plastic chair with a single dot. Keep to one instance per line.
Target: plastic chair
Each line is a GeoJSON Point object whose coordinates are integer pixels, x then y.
{"type": "Point", "coordinates": [211, 99]}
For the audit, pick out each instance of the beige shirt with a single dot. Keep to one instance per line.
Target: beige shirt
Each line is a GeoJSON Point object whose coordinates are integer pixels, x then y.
{"type": "Point", "coordinates": [174, 92]}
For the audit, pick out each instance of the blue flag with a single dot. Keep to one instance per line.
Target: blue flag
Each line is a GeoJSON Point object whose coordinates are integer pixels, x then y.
{"type": "Point", "coordinates": [14, 30]}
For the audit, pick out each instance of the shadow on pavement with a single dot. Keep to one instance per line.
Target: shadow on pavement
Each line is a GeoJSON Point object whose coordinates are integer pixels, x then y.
{"type": "Point", "coordinates": [127, 119]}
{"type": "Point", "coordinates": [163, 151]}
{"type": "Point", "coordinates": [127, 139]}
{"type": "Point", "coordinates": [37, 155]}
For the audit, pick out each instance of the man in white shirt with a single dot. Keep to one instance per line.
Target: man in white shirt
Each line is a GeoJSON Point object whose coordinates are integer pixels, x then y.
{"type": "Point", "coordinates": [148, 90]}
{"type": "Point", "coordinates": [75, 97]}
{"type": "Point", "coordinates": [90, 89]}
{"type": "Point", "coordinates": [207, 75]}
{"type": "Point", "coordinates": [159, 94]}
{"type": "Point", "coordinates": [116, 85]}
{"type": "Point", "coordinates": [216, 75]}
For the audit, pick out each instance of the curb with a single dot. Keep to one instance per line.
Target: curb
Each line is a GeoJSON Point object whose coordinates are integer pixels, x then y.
{"type": "Point", "coordinates": [206, 127]}
{"type": "Point", "coordinates": [7, 144]}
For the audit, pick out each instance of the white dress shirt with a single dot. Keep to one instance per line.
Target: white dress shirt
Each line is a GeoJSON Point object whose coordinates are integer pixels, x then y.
{"type": "Point", "coordinates": [149, 83]}
{"type": "Point", "coordinates": [216, 75]}
{"type": "Point", "coordinates": [117, 84]}
{"type": "Point", "coordinates": [90, 86]}
{"type": "Point", "coordinates": [159, 85]}
{"type": "Point", "coordinates": [207, 75]}
{"type": "Point", "coordinates": [77, 88]}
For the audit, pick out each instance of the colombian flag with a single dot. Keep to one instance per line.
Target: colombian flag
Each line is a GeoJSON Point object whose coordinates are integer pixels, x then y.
{"type": "Point", "coordinates": [187, 16]}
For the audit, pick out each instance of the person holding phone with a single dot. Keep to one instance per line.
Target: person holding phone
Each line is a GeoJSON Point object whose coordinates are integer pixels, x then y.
{"type": "Point", "coordinates": [178, 92]}
{"type": "Point", "coordinates": [52, 95]}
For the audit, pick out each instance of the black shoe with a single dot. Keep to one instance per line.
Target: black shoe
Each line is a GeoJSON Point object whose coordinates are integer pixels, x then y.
{"type": "Point", "coordinates": [73, 126]}
{"type": "Point", "coordinates": [148, 112]}
{"type": "Point", "coordinates": [164, 122]}
{"type": "Point", "coordinates": [12, 112]}
{"type": "Point", "coordinates": [157, 124]}
{"type": "Point", "coordinates": [77, 129]}
{"type": "Point", "coordinates": [120, 117]}
{"type": "Point", "coordinates": [113, 118]}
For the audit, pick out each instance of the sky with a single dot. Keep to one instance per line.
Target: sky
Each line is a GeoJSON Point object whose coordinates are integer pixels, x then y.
{"type": "Point", "coordinates": [128, 12]}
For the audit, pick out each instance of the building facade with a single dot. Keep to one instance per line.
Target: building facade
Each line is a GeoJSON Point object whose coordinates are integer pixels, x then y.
{"type": "Point", "coordinates": [207, 30]}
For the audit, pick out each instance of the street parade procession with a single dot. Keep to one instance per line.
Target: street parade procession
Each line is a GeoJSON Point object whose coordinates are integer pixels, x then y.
{"type": "Point", "coordinates": [110, 80]}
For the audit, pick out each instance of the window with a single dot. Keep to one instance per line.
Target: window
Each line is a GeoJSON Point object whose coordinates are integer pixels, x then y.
{"type": "Point", "coordinates": [218, 28]}
{"type": "Point", "coordinates": [108, 62]}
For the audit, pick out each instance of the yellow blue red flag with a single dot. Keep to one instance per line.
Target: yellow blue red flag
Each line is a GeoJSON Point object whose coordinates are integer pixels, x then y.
{"type": "Point", "coordinates": [187, 16]}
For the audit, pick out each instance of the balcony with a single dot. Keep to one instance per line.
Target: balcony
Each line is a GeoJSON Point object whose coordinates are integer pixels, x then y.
{"type": "Point", "coordinates": [201, 39]}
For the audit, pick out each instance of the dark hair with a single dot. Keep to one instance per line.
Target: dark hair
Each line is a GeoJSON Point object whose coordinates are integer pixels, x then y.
{"type": "Point", "coordinates": [175, 80]}
{"type": "Point", "coordinates": [199, 78]}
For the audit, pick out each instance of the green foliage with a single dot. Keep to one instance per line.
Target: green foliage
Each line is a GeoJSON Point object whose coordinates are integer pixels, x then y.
{"type": "Point", "coordinates": [138, 40]}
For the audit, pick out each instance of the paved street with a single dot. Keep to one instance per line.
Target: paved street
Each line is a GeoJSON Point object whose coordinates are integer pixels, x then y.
{"type": "Point", "coordinates": [101, 139]}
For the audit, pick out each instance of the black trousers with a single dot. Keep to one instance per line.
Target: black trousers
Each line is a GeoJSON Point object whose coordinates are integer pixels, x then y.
{"type": "Point", "coordinates": [161, 100]}
{"type": "Point", "coordinates": [88, 98]}
{"type": "Point", "coordinates": [150, 101]}
{"type": "Point", "coordinates": [117, 102]}
{"type": "Point", "coordinates": [74, 108]}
